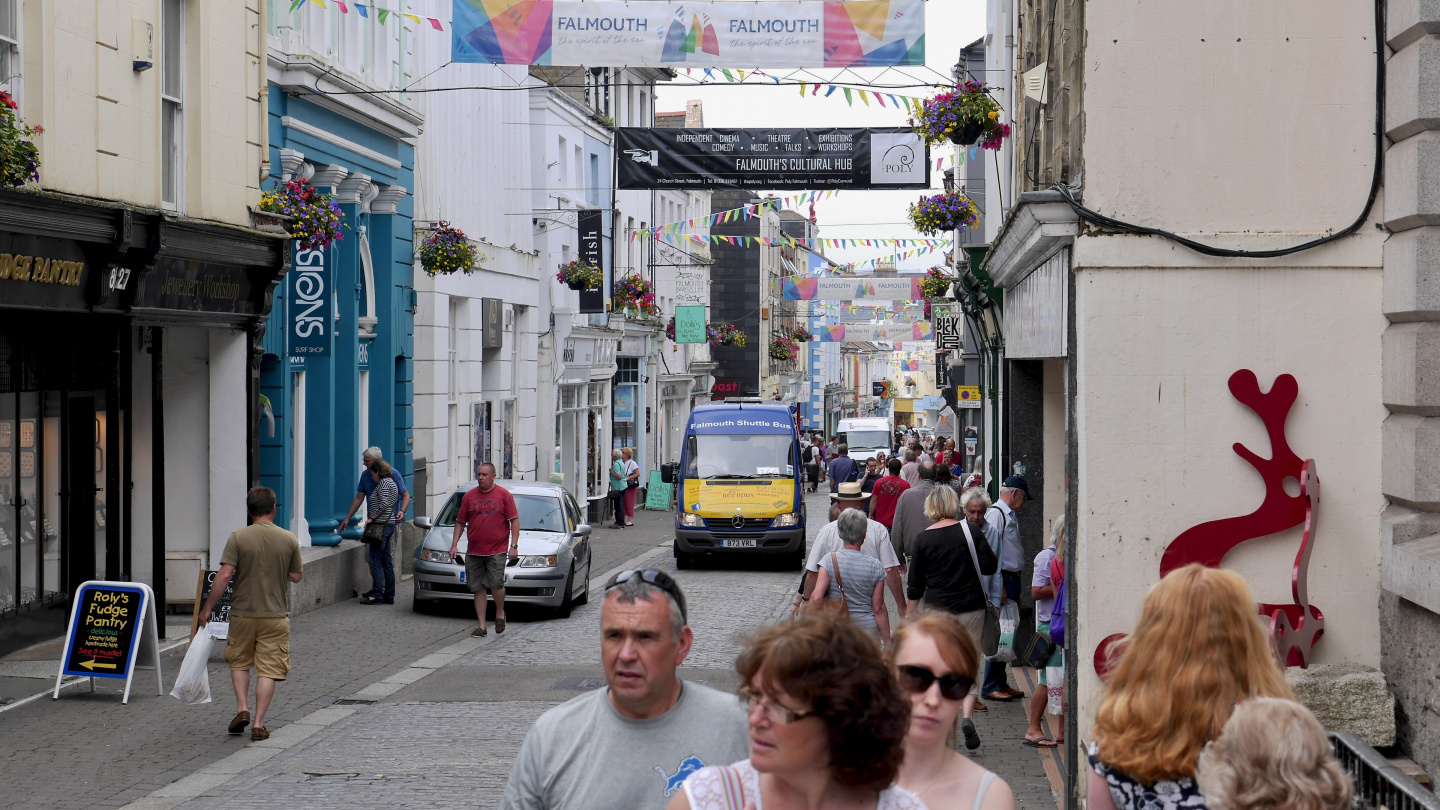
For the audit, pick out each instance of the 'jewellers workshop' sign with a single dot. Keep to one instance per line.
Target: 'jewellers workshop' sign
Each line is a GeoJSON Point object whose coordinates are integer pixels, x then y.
{"type": "Point", "coordinates": [191, 286]}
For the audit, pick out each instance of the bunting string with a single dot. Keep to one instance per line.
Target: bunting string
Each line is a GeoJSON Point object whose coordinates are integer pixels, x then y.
{"type": "Point", "coordinates": [370, 11]}
{"type": "Point", "coordinates": [791, 241]}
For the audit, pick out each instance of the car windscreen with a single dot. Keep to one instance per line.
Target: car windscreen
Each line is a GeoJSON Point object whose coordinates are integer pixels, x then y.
{"type": "Point", "coordinates": [538, 513]}
{"type": "Point", "coordinates": [857, 439]}
{"type": "Point", "coordinates": [749, 456]}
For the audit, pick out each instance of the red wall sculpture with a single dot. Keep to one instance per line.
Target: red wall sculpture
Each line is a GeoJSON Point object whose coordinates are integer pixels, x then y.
{"type": "Point", "coordinates": [1294, 628]}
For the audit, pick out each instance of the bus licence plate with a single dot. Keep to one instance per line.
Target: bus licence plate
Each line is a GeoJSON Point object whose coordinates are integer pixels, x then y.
{"type": "Point", "coordinates": [737, 543]}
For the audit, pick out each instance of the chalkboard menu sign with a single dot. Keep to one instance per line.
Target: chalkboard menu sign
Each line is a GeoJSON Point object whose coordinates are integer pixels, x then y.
{"type": "Point", "coordinates": [220, 614]}
{"type": "Point", "coordinates": [111, 625]}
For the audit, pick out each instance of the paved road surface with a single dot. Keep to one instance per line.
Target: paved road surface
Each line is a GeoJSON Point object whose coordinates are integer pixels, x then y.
{"type": "Point", "coordinates": [388, 708]}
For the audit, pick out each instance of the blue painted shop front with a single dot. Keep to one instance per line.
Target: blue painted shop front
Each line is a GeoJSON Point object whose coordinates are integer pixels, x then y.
{"type": "Point", "coordinates": [338, 364]}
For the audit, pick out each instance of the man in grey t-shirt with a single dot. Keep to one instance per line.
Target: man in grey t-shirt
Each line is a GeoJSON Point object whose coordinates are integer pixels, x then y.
{"type": "Point", "coordinates": [633, 744]}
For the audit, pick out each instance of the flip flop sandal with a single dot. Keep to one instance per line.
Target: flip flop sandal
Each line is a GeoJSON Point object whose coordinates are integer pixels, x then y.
{"type": "Point", "coordinates": [237, 726]}
{"type": "Point", "coordinates": [1043, 742]}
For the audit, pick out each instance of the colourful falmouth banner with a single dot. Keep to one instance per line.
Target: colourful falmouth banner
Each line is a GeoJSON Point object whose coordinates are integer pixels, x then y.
{"type": "Point", "coordinates": [852, 289]}
{"type": "Point", "coordinates": [703, 34]}
{"type": "Point", "coordinates": [859, 332]}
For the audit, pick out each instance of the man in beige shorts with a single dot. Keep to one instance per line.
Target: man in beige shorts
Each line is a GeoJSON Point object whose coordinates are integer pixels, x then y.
{"type": "Point", "coordinates": [263, 559]}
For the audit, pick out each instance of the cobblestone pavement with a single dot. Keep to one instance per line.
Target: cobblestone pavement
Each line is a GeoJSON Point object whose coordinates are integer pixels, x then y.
{"type": "Point", "coordinates": [441, 731]}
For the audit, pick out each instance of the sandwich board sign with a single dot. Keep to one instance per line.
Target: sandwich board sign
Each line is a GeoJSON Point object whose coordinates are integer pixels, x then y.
{"type": "Point", "coordinates": [112, 625]}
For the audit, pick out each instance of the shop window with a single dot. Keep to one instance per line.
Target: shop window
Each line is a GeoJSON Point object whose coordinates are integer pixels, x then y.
{"type": "Point", "coordinates": [627, 370]}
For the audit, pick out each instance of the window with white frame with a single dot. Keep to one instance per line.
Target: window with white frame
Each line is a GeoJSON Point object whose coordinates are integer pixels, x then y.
{"type": "Point", "coordinates": [10, 63]}
{"type": "Point", "coordinates": [172, 98]}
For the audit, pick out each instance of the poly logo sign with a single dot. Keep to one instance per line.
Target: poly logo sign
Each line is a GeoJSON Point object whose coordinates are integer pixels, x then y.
{"type": "Point", "coordinates": [896, 157]}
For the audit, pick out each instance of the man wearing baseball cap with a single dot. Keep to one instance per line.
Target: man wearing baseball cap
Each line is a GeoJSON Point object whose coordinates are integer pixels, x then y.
{"type": "Point", "coordinates": [1002, 528]}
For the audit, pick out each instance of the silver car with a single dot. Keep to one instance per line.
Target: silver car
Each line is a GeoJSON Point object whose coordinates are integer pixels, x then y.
{"type": "Point", "coordinates": [554, 565]}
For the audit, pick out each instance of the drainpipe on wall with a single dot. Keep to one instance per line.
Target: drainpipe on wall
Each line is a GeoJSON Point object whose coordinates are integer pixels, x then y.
{"type": "Point", "coordinates": [263, 49]}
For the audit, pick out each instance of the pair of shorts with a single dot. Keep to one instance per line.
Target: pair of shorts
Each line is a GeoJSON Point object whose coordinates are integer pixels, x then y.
{"type": "Point", "coordinates": [1057, 653]}
{"type": "Point", "coordinates": [262, 644]}
{"type": "Point", "coordinates": [485, 571]}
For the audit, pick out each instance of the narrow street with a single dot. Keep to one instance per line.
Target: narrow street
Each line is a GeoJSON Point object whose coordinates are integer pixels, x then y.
{"type": "Point", "coordinates": [386, 707]}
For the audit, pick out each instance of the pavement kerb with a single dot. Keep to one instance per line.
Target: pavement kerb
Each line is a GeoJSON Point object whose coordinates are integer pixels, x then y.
{"type": "Point", "coordinates": [219, 772]}
{"type": "Point", "coordinates": [50, 690]}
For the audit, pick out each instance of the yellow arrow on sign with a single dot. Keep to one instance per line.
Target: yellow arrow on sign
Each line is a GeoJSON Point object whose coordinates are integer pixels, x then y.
{"type": "Point", "coordinates": [92, 666]}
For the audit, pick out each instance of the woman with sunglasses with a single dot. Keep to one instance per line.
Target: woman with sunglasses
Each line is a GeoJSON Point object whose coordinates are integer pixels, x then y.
{"type": "Point", "coordinates": [936, 661]}
{"type": "Point", "coordinates": [827, 725]}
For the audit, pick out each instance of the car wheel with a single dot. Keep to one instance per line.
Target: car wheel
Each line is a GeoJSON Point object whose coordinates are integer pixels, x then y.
{"type": "Point", "coordinates": [684, 561]}
{"type": "Point", "coordinates": [421, 605]}
{"type": "Point", "coordinates": [797, 563]}
{"type": "Point", "coordinates": [568, 600]}
{"type": "Point", "coordinates": [584, 597]}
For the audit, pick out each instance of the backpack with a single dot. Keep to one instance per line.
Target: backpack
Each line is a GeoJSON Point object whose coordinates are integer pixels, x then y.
{"type": "Point", "coordinates": [1057, 615]}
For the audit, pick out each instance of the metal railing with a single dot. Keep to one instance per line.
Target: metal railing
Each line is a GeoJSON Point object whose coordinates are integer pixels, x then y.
{"type": "Point", "coordinates": [1377, 782]}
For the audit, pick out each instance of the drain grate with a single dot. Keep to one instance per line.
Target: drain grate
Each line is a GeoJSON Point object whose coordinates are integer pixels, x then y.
{"type": "Point", "coordinates": [353, 702]}
{"type": "Point", "coordinates": [576, 683]}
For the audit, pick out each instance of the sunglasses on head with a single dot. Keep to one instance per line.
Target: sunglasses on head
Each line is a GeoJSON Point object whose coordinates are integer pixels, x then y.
{"type": "Point", "coordinates": [953, 686]}
{"type": "Point", "coordinates": [659, 579]}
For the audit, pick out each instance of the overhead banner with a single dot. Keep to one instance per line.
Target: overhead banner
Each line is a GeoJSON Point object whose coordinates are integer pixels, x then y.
{"type": "Point", "coordinates": [696, 34]}
{"type": "Point", "coordinates": [852, 289]}
{"type": "Point", "coordinates": [854, 157]}
{"type": "Point", "coordinates": [858, 332]}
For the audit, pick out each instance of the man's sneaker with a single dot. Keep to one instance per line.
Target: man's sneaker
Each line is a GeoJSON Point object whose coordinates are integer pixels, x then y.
{"type": "Point", "coordinates": [480, 631]}
{"type": "Point", "coordinates": [499, 625]}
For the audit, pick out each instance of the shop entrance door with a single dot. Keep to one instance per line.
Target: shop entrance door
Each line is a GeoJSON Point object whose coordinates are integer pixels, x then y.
{"type": "Point", "coordinates": [83, 444]}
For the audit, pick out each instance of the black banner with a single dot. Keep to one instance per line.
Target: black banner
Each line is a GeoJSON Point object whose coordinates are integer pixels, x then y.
{"type": "Point", "coordinates": [193, 286]}
{"type": "Point", "coordinates": [590, 223]}
{"type": "Point", "coordinates": [855, 158]}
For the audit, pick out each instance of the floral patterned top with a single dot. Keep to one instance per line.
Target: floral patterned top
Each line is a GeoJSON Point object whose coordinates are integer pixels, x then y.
{"type": "Point", "coordinates": [707, 790]}
{"type": "Point", "coordinates": [1128, 794]}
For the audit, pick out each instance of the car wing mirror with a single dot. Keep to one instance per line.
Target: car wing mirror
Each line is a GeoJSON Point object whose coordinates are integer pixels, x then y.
{"type": "Point", "coordinates": [423, 523]}
{"type": "Point", "coordinates": [582, 530]}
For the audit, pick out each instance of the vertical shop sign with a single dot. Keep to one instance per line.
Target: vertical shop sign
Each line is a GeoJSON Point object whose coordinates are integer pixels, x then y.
{"type": "Point", "coordinates": [311, 317]}
{"type": "Point", "coordinates": [590, 223]}
{"type": "Point", "coordinates": [689, 324]}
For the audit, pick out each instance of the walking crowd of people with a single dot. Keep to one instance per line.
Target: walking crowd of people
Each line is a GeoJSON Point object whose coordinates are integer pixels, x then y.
{"type": "Point", "coordinates": [837, 708]}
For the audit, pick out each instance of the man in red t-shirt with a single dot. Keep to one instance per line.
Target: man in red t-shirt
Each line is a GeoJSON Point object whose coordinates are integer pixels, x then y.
{"type": "Point", "coordinates": [488, 516]}
{"type": "Point", "coordinates": [887, 493]}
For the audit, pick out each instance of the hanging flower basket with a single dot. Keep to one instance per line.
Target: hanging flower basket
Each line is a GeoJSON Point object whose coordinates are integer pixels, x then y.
{"type": "Point", "coordinates": [670, 329]}
{"type": "Point", "coordinates": [784, 348]}
{"type": "Point", "coordinates": [317, 220]}
{"type": "Point", "coordinates": [726, 334]}
{"type": "Point", "coordinates": [578, 275]}
{"type": "Point", "coordinates": [963, 116]}
{"type": "Point", "coordinates": [635, 294]}
{"type": "Point", "coordinates": [935, 284]}
{"type": "Point", "coordinates": [943, 213]}
{"type": "Point", "coordinates": [19, 159]}
{"type": "Point", "coordinates": [448, 251]}
{"type": "Point", "coordinates": [799, 334]}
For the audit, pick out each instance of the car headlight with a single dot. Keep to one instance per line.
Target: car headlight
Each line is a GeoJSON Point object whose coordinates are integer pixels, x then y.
{"type": "Point", "coordinates": [790, 519]}
{"type": "Point", "coordinates": [691, 519]}
{"type": "Point", "coordinates": [436, 556]}
{"type": "Point", "coordinates": [537, 561]}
